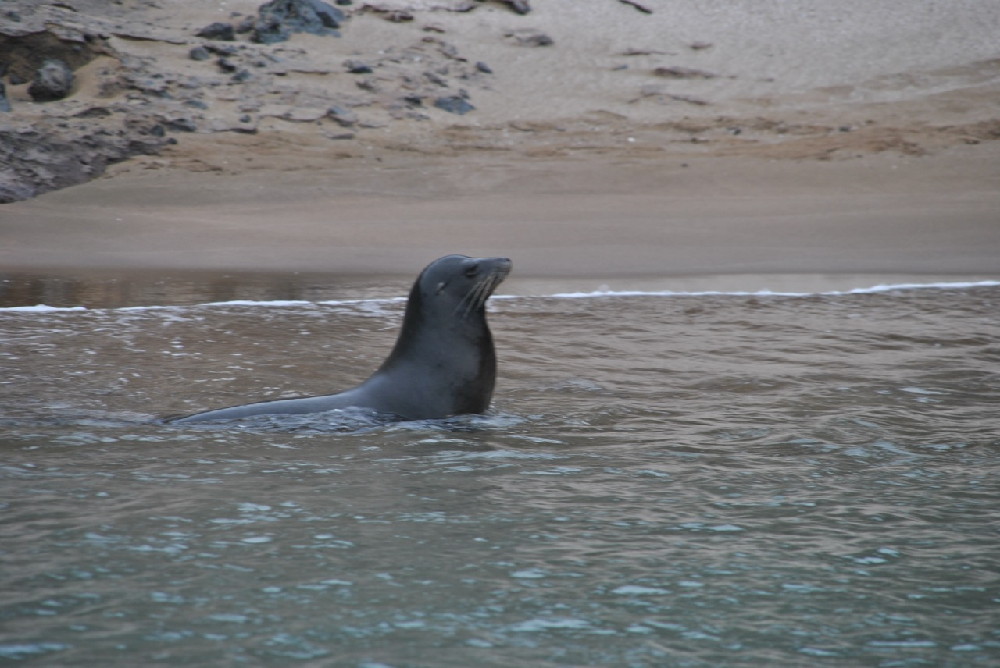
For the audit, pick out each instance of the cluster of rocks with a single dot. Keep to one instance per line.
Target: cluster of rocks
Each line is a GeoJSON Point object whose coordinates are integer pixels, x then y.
{"type": "Point", "coordinates": [278, 19]}
{"type": "Point", "coordinates": [51, 137]}
{"type": "Point", "coordinates": [254, 78]}
{"type": "Point", "coordinates": [51, 146]}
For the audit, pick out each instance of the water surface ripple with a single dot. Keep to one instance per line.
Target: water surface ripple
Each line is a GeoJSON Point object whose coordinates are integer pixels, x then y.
{"type": "Point", "coordinates": [697, 480]}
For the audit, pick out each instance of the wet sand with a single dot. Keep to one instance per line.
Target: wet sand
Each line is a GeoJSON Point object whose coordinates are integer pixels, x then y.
{"type": "Point", "coordinates": [579, 164]}
{"type": "Point", "coordinates": [571, 219]}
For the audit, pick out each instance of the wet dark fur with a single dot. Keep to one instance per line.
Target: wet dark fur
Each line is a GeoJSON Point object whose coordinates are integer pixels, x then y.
{"type": "Point", "coordinates": [443, 363]}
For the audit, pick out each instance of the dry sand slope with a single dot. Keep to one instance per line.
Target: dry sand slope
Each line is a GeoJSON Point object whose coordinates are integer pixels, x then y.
{"type": "Point", "coordinates": [708, 136]}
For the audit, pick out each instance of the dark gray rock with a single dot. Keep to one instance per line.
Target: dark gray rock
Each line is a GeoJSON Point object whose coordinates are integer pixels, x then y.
{"type": "Point", "coordinates": [357, 67]}
{"type": "Point", "coordinates": [682, 73]}
{"type": "Point", "coordinates": [174, 123]}
{"type": "Point", "coordinates": [518, 6]}
{"type": "Point", "coordinates": [436, 78]}
{"type": "Point", "coordinates": [4, 102]}
{"type": "Point", "coordinates": [529, 37]}
{"type": "Point", "coordinates": [222, 49]}
{"type": "Point", "coordinates": [226, 65]}
{"type": "Point", "coordinates": [342, 116]}
{"type": "Point", "coordinates": [246, 25]}
{"type": "Point", "coordinates": [454, 104]}
{"type": "Point", "coordinates": [52, 81]}
{"type": "Point", "coordinates": [484, 68]}
{"type": "Point", "coordinates": [278, 19]}
{"type": "Point", "coordinates": [199, 53]}
{"type": "Point", "coordinates": [93, 112]}
{"type": "Point", "coordinates": [218, 30]}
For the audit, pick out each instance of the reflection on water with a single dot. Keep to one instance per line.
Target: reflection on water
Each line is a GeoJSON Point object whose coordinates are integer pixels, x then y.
{"type": "Point", "coordinates": [665, 480]}
{"type": "Point", "coordinates": [150, 288]}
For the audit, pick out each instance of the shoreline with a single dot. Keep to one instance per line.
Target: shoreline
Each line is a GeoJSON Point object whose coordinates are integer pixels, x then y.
{"type": "Point", "coordinates": [589, 217]}
{"type": "Point", "coordinates": [66, 288]}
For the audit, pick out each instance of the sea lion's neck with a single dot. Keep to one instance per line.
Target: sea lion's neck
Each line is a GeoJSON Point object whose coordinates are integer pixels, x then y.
{"type": "Point", "coordinates": [435, 337]}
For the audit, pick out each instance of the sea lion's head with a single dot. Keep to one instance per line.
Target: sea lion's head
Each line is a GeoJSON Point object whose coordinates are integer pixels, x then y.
{"type": "Point", "coordinates": [458, 285]}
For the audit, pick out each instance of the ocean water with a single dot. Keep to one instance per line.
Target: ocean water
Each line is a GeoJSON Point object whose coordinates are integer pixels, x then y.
{"type": "Point", "coordinates": [668, 479]}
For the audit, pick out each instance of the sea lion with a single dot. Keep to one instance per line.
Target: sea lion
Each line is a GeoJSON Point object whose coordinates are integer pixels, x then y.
{"type": "Point", "coordinates": [443, 363]}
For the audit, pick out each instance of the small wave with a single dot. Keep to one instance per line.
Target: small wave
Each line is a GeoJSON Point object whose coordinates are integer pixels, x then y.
{"type": "Point", "coordinates": [272, 303]}
{"type": "Point", "coordinates": [358, 420]}
{"type": "Point", "coordinates": [242, 303]}
{"type": "Point", "coordinates": [875, 289]}
{"type": "Point", "coordinates": [376, 302]}
{"type": "Point", "coordinates": [286, 303]}
{"type": "Point", "coordinates": [339, 420]}
{"type": "Point", "coordinates": [41, 308]}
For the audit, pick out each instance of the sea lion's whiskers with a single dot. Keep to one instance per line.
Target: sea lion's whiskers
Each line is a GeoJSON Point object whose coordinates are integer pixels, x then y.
{"type": "Point", "coordinates": [463, 307]}
{"type": "Point", "coordinates": [491, 284]}
{"type": "Point", "coordinates": [475, 297]}
{"type": "Point", "coordinates": [479, 293]}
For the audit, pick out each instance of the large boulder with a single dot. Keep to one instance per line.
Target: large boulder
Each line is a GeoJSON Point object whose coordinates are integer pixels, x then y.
{"type": "Point", "coordinates": [52, 81]}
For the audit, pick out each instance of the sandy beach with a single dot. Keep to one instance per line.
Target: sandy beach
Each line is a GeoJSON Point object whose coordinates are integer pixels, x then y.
{"type": "Point", "coordinates": [701, 139]}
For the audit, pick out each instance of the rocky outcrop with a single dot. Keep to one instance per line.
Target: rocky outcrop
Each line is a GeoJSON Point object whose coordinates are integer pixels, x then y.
{"type": "Point", "coordinates": [40, 156]}
{"type": "Point", "coordinates": [59, 127]}
{"type": "Point", "coordinates": [28, 40]}
{"type": "Point", "coordinates": [278, 19]}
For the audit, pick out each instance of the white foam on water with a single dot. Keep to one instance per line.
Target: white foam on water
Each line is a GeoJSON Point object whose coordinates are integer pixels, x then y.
{"type": "Point", "coordinates": [595, 294]}
{"type": "Point", "coordinates": [875, 289]}
{"type": "Point", "coordinates": [273, 303]}
{"type": "Point", "coordinates": [41, 308]}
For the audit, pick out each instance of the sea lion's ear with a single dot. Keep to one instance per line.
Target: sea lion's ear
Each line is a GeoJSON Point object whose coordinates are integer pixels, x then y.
{"type": "Point", "coordinates": [440, 287]}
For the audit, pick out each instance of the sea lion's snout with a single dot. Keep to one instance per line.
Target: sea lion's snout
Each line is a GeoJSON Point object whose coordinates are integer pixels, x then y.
{"type": "Point", "coordinates": [500, 267]}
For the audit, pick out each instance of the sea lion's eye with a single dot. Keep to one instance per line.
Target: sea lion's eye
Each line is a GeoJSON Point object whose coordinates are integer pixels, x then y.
{"type": "Point", "coordinates": [471, 271]}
